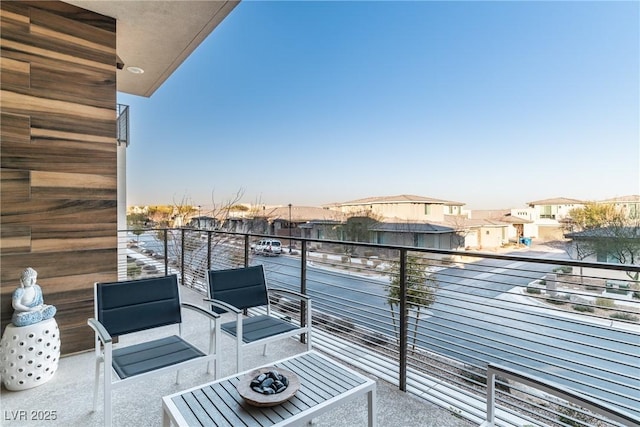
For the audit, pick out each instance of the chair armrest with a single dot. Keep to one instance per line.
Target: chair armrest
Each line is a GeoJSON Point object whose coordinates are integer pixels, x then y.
{"type": "Point", "coordinates": [203, 311]}
{"type": "Point", "coordinates": [103, 335]}
{"type": "Point", "coordinates": [287, 291]}
{"type": "Point", "coordinates": [223, 305]}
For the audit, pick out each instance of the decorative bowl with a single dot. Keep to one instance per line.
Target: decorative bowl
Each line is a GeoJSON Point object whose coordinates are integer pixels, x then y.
{"type": "Point", "coordinates": [255, 398]}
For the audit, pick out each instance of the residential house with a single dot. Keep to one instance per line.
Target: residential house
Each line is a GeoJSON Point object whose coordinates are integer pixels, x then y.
{"type": "Point", "coordinates": [619, 245]}
{"type": "Point", "coordinates": [301, 221]}
{"type": "Point", "coordinates": [547, 216]}
{"type": "Point", "coordinates": [403, 207]}
{"type": "Point", "coordinates": [204, 222]}
{"type": "Point", "coordinates": [407, 220]}
{"type": "Point", "coordinates": [629, 205]}
{"type": "Point", "coordinates": [418, 234]}
{"type": "Point", "coordinates": [62, 163]}
{"type": "Point", "coordinates": [494, 228]}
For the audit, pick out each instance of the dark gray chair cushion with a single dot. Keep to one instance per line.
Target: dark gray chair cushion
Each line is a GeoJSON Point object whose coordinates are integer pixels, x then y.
{"type": "Point", "coordinates": [258, 327]}
{"type": "Point", "coordinates": [137, 305]}
{"type": "Point", "coordinates": [149, 356]}
{"type": "Point", "coordinates": [241, 287]}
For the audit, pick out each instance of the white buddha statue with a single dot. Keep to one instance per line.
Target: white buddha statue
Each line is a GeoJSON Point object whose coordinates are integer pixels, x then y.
{"type": "Point", "coordinates": [28, 305]}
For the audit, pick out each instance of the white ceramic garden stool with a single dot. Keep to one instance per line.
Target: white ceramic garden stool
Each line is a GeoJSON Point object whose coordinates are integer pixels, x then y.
{"type": "Point", "coordinates": [29, 354]}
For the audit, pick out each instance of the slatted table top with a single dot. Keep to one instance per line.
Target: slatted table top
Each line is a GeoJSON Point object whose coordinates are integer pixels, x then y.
{"type": "Point", "coordinates": [323, 384]}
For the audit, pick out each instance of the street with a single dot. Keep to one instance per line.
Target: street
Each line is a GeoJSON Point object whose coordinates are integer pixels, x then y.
{"type": "Point", "coordinates": [468, 322]}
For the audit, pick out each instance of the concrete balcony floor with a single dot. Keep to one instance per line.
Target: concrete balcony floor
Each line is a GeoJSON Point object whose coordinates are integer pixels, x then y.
{"type": "Point", "coordinates": [70, 392]}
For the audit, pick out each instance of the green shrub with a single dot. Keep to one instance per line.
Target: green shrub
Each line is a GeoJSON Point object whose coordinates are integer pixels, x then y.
{"type": "Point", "coordinates": [133, 270]}
{"type": "Point", "coordinates": [636, 294]}
{"type": "Point", "coordinates": [624, 316]}
{"type": "Point", "coordinates": [532, 290]}
{"type": "Point", "coordinates": [605, 302]}
{"type": "Point", "coordinates": [569, 416]}
{"type": "Point", "coordinates": [583, 308]}
{"type": "Point", "coordinates": [617, 291]}
{"type": "Point", "coordinates": [592, 287]}
{"type": "Point", "coordinates": [564, 269]}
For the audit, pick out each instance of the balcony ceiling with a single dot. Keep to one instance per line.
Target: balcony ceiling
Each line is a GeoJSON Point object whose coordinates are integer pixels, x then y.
{"type": "Point", "coordinates": [157, 36]}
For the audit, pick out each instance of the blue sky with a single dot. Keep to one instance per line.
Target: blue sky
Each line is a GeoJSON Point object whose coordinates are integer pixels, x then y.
{"type": "Point", "coordinates": [492, 104]}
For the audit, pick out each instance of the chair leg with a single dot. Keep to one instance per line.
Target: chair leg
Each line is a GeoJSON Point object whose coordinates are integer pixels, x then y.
{"type": "Point", "coordinates": [96, 385]}
{"type": "Point", "coordinates": [239, 335]}
{"type": "Point", "coordinates": [212, 346]}
{"type": "Point", "coordinates": [107, 400]}
{"type": "Point", "coordinates": [107, 365]}
{"type": "Point", "coordinates": [239, 361]}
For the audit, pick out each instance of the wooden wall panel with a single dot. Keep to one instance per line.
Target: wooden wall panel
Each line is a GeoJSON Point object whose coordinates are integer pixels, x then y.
{"type": "Point", "coordinates": [15, 186]}
{"type": "Point", "coordinates": [58, 158]}
{"type": "Point", "coordinates": [15, 129]}
{"type": "Point", "coordinates": [15, 239]}
{"type": "Point", "coordinates": [14, 19]}
{"type": "Point", "coordinates": [14, 73]}
{"type": "Point", "coordinates": [73, 155]}
{"type": "Point", "coordinates": [93, 84]}
{"type": "Point", "coordinates": [64, 211]}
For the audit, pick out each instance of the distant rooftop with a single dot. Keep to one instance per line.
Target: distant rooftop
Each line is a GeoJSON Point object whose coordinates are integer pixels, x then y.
{"type": "Point", "coordinates": [303, 213]}
{"type": "Point", "coordinates": [402, 198]}
{"type": "Point", "coordinates": [556, 201]}
{"type": "Point", "coordinates": [634, 198]}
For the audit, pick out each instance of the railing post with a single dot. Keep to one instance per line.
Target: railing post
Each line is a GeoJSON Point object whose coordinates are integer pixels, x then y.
{"type": "Point", "coordinates": [166, 252]}
{"type": "Point", "coordinates": [209, 235]}
{"type": "Point", "coordinates": [303, 288]}
{"type": "Point", "coordinates": [404, 319]}
{"type": "Point", "coordinates": [182, 257]}
{"type": "Point", "coordinates": [491, 395]}
{"type": "Point", "coordinates": [246, 250]}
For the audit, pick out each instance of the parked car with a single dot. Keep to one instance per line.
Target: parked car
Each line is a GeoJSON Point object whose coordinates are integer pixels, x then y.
{"type": "Point", "coordinates": [267, 247]}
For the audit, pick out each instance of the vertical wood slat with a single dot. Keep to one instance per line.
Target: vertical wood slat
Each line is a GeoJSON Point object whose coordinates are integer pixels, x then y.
{"type": "Point", "coordinates": [58, 158]}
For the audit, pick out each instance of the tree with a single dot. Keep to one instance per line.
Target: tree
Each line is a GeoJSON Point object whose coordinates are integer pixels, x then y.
{"type": "Point", "coordinates": [592, 215]}
{"type": "Point", "coordinates": [421, 289]}
{"type": "Point", "coordinates": [356, 227]}
{"type": "Point", "coordinates": [137, 221]}
{"type": "Point", "coordinates": [606, 232]}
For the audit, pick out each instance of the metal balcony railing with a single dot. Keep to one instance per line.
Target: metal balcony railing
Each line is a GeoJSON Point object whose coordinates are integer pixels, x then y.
{"type": "Point", "coordinates": [122, 124]}
{"type": "Point", "coordinates": [432, 321]}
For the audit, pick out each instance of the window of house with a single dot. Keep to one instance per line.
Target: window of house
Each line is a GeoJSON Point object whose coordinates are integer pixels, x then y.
{"type": "Point", "coordinates": [427, 209]}
{"type": "Point", "coordinates": [602, 256]}
{"type": "Point", "coordinates": [547, 212]}
{"type": "Point", "coordinates": [429, 241]}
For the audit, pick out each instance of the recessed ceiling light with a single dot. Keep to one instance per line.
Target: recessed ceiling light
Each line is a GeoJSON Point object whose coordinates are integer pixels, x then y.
{"type": "Point", "coordinates": [135, 70]}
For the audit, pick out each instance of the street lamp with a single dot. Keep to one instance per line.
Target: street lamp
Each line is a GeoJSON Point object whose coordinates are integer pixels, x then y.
{"type": "Point", "coordinates": [289, 227]}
